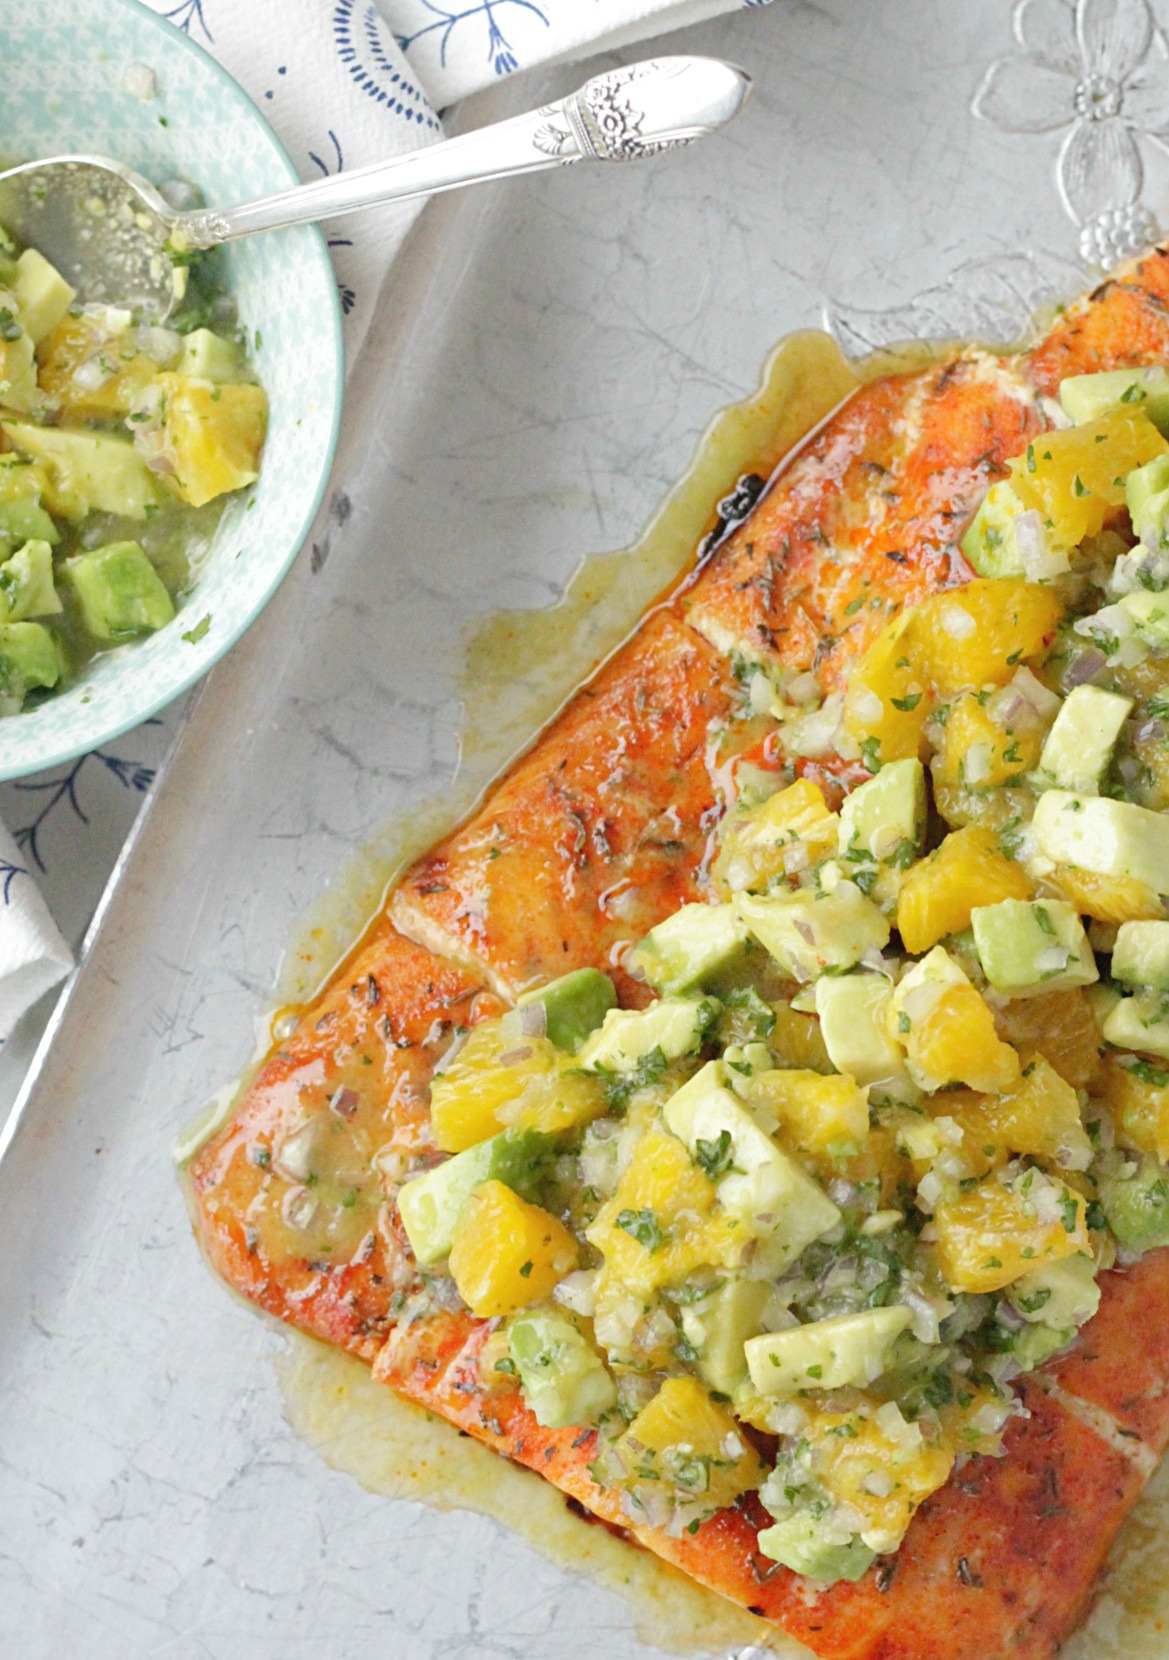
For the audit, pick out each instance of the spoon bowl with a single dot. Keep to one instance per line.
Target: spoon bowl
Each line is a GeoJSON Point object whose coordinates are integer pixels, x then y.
{"type": "Point", "coordinates": [119, 242]}
{"type": "Point", "coordinates": [104, 227]}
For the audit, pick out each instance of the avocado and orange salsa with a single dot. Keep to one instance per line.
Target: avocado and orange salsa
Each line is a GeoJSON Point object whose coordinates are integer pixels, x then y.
{"type": "Point", "coordinates": [903, 1092]}
{"type": "Point", "coordinates": [120, 443]}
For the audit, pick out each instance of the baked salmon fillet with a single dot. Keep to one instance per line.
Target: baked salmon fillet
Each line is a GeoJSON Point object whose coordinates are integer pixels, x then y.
{"type": "Point", "coordinates": [497, 1156]}
{"type": "Point", "coordinates": [597, 834]}
{"type": "Point", "coordinates": [344, 1097]}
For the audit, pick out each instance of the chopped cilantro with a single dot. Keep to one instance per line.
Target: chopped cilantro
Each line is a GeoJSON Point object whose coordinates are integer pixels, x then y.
{"type": "Point", "coordinates": [1157, 1076]}
{"type": "Point", "coordinates": [714, 1157]}
{"type": "Point", "coordinates": [643, 1226]}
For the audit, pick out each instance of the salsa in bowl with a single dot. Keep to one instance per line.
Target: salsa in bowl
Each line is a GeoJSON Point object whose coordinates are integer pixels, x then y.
{"type": "Point", "coordinates": [163, 553]}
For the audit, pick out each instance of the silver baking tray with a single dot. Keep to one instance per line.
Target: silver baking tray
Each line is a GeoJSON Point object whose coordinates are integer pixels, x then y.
{"type": "Point", "coordinates": [542, 365]}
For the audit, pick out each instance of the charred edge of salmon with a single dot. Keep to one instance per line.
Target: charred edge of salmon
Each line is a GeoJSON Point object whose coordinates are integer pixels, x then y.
{"type": "Point", "coordinates": [1000, 1561]}
{"type": "Point", "coordinates": [596, 834]}
{"type": "Point", "coordinates": [1121, 324]}
{"type": "Point", "coordinates": [358, 1067]}
{"type": "Point", "coordinates": [869, 518]}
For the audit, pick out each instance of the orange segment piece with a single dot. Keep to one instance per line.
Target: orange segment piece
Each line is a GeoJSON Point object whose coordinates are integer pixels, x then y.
{"type": "Point", "coordinates": [1060, 1026]}
{"type": "Point", "coordinates": [977, 752]}
{"type": "Point", "coordinates": [956, 1043]}
{"type": "Point", "coordinates": [1040, 1116]}
{"type": "Point", "coordinates": [213, 435]}
{"type": "Point", "coordinates": [508, 1254]}
{"type": "Point", "coordinates": [1076, 477]}
{"type": "Point", "coordinates": [1107, 898]}
{"type": "Point", "coordinates": [992, 1235]}
{"type": "Point", "coordinates": [498, 1082]}
{"type": "Point", "coordinates": [659, 1225]}
{"type": "Point", "coordinates": [79, 340]}
{"type": "Point", "coordinates": [981, 632]}
{"type": "Point", "coordinates": [1137, 1097]}
{"type": "Point", "coordinates": [940, 891]}
{"type": "Point", "coordinates": [887, 702]}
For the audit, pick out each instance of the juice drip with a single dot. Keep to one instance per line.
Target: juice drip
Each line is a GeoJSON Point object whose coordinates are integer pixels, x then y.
{"type": "Point", "coordinates": [394, 1448]}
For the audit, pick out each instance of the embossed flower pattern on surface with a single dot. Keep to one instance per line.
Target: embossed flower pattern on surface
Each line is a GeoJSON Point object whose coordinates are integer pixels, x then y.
{"type": "Point", "coordinates": [1100, 69]}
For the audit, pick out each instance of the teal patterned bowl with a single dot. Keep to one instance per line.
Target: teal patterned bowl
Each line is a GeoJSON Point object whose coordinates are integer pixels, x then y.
{"type": "Point", "coordinates": [62, 64]}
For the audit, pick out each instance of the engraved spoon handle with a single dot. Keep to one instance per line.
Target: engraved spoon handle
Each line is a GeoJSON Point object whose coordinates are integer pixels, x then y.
{"type": "Point", "coordinates": [623, 115]}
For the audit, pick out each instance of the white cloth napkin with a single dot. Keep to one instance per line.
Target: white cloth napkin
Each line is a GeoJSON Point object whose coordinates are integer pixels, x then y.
{"type": "Point", "coordinates": [33, 956]}
{"type": "Point", "coordinates": [344, 83]}
{"type": "Point", "coordinates": [457, 46]}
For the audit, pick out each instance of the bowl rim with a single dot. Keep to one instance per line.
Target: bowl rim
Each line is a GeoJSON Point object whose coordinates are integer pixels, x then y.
{"type": "Point", "coordinates": [103, 733]}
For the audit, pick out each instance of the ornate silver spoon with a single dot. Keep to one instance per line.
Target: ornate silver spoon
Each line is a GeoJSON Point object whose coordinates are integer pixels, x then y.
{"type": "Point", "coordinates": [112, 235]}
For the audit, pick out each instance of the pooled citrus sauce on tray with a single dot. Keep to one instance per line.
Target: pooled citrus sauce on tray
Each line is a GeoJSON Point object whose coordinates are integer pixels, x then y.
{"type": "Point", "coordinates": [394, 1448]}
{"type": "Point", "coordinates": [518, 669]}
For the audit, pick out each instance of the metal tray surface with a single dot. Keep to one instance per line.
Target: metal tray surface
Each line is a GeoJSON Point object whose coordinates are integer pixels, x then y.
{"type": "Point", "coordinates": [541, 367]}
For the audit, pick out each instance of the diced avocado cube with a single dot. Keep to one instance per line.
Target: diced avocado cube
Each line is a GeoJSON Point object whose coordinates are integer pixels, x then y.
{"type": "Point", "coordinates": [854, 1023]}
{"type": "Point", "coordinates": [743, 1062]}
{"type": "Point", "coordinates": [1110, 838]}
{"type": "Point", "coordinates": [675, 1026]}
{"type": "Point", "coordinates": [42, 295]}
{"type": "Point", "coordinates": [25, 521]}
{"type": "Point", "coordinates": [1079, 746]}
{"type": "Point", "coordinates": [574, 1005]}
{"type": "Point", "coordinates": [808, 1545]}
{"type": "Point", "coordinates": [937, 970]}
{"type": "Point", "coordinates": [745, 1016]}
{"type": "Point", "coordinates": [22, 518]}
{"type": "Point", "coordinates": [1035, 1344]}
{"type": "Point", "coordinates": [26, 584]}
{"type": "Point", "coordinates": [989, 544]}
{"type": "Point", "coordinates": [1031, 946]}
{"type": "Point", "coordinates": [717, 1326]}
{"type": "Point", "coordinates": [1140, 956]}
{"type": "Point", "coordinates": [688, 948]}
{"type": "Point", "coordinates": [1141, 1023]}
{"type": "Point", "coordinates": [28, 659]}
{"type": "Point", "coordinates": [1146, 494]}
{"type": "Point", "coordinates": [1089, 397]}
{"type": "Point", "coordinates": [208, 356]}
{"type": "Point", "coordinates": [767, 1193]}
{"type": "Point", "coordinates": [87, 471]}
{"type": "Point", "coordinates": [563, 1378]}
{"type": "Point", "coordinates": [432, 1206]}
{"type": "Point", "coordinates": [18, 368]}
{"type": "Point", "coordinates": [882, 827]}
{"type": "Point", "coordinates": [826, 1354]}
{"type": "Point", "coordinates": [808, 932]}
{"type": "Point", "coordinates": [1150, 616]}
{"type": "Point", "coordinates": [1061, 1295]}
{"type": "Point", "coordinates": [1137, 1206]}
{"type": "Point", "coordinates": [119, 592]}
